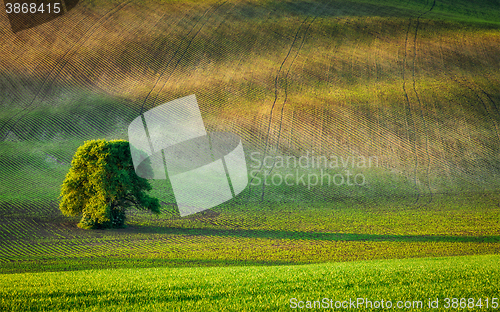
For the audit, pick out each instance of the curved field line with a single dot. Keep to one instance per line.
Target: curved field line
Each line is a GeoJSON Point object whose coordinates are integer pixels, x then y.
{"type": "Point", "coordinates": [420, 105]}
{"type": "Point", "coordinates": [276, 96]}
{"type": "Point", "coordinates": [465, 177]}
{"type": "Point", "coordinates": [61, 63]}
{"type": "Point", "coordinates": [170, 60]}
{"type": "Point", "coordinates": [286, 96]}
{"type": "Point", "coordinates": [493, 104]}
{"type": "Point", "coordinates": [189, 42]}
{"type": "Point", "coordinates": [102, 61]}
{"type": "Point", "coordinates": [286, 81]}
{"type": "Point", "coordinates": [9, 81]}
{"type": "Point", "coordinates": [184, 53]}
{"type": "Point", "coordinates": [86, 34]}
{"type": "Point", "coordinates": [285, 90]}
{"type": "Point", "coordinates": [466, 84]}
{"type": "Point", "coordinates": [39, 65]}
{"type": "Point", "coordinates": [408, 103]}
{"type": "Point", "coordinates": [408, 109]}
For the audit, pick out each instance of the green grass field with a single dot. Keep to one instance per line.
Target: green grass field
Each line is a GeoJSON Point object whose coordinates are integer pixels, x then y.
{"type": "Point", "coordinates": [415, 84]}
{"type": "Point", "coordinates": [248, 258]}
{"type": "Point", "coordinates": [410, 282]}
{"type": "Point", "coordinates": [263, 234]}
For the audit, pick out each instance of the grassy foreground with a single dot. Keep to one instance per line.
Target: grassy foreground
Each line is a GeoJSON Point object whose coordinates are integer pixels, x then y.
{"type": "Point", "coordinates": [408, 281]}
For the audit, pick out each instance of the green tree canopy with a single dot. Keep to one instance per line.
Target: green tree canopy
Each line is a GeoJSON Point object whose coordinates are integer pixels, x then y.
{"type": "Point", "coordinates": [101, 184]}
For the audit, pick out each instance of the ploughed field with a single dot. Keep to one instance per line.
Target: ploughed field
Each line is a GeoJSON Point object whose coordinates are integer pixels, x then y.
{"type": "Point", "coordinates": [402, 96]}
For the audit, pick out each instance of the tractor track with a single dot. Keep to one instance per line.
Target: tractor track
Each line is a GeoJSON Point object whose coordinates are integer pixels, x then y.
{"type": "Point", "coordinates": [409, 117]}
{"type": "Point", "coordinates": [285, 99]}
{"type": "Point", "coordinates": [276, 79]}
{"type": "Point", "coordinates": [410, 120]}
{"type": "Point", "coordinates": [422, 118]}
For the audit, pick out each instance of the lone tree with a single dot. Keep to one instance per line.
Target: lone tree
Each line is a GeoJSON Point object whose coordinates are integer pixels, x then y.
{"type": "Point", "coordinates": [101, 184]}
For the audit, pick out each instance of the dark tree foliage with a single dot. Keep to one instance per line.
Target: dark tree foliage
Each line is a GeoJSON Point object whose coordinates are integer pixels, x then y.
{"type": "Point", "coordinates": [101, 184]}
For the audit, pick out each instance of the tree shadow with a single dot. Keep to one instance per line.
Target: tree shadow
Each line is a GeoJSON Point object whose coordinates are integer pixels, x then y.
{"type": "Point", "coordinates": [318, 236]}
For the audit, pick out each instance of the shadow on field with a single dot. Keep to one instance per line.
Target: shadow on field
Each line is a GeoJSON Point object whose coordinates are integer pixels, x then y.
{"type": "Point", "coordinates": [328, 8]}
{"type": "Point", "coordinates": [97, 263]}
{"type": "Point", "coordinates": [275, 234]}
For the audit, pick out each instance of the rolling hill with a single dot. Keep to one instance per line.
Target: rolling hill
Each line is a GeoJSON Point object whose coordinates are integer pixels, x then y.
{"type": "Point", "coordinates": [412, 86]}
